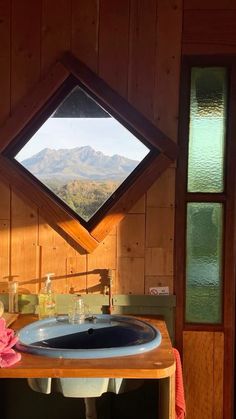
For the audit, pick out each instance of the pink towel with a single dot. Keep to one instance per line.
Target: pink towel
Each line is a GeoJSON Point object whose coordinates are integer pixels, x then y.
{"type": "Point", "coordinates": [180, 407]}
{"type": "Point", "coordinates": [8, 356]}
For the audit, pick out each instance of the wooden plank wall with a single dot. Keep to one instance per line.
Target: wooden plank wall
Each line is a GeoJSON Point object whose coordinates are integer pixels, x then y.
{"type": "Point", "coordinates": [126, 43]}
{"type": "Point", "coordinates": [203, 369]}
{"type": "Point", "coordinates": [209, 27]}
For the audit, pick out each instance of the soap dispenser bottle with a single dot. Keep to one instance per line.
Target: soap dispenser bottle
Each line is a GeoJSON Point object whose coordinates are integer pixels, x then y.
{"type": "Point", "coordinates": [46, 300]}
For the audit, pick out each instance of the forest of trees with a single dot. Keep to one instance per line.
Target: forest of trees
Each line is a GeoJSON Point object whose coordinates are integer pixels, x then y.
{"type": "Point", "coordinates": [84, 197]}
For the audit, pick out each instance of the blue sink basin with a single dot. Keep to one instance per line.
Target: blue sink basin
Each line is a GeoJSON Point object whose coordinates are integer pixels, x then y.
{"type": "Point", "coordinates": [103, 336]}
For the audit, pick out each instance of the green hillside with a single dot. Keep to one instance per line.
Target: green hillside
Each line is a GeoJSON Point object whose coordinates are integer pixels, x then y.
{"type": "Point", "coordinates": [83, 196]}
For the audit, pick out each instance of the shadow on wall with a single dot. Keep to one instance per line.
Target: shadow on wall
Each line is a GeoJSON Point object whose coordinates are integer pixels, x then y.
{"type": "Point", "coordinates": [136, 404]}
{"type": "Point", "coordinates": [100, 287]}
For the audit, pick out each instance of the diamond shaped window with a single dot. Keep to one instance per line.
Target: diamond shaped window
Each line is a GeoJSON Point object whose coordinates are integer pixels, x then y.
{"type": "Point", "coordinates": [81, 153]}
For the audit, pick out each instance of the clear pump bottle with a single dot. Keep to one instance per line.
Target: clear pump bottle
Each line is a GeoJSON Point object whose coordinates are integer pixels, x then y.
{"type": "Point", "coordinates": [46, 299]}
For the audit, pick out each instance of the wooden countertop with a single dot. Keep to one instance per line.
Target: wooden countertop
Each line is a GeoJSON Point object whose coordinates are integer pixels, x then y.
{"type": "Point", "coordinates": [158, 363]}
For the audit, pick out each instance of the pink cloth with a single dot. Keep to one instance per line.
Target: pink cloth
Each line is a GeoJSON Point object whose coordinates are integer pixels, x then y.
{"type": "Point", "coordinates": [8, 356]}
{"type": "Point", "coordinates": [180, 407]}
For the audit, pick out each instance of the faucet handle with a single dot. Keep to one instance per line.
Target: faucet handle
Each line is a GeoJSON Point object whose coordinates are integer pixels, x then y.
{"type": "Point", "coordinates": [110, 279]}
{"type": "Point", "coordinates": [109, 276]}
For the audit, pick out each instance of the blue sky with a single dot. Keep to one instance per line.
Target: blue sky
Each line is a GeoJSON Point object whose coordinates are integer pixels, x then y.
{"type": "Point", "coordinates": [103, 134]}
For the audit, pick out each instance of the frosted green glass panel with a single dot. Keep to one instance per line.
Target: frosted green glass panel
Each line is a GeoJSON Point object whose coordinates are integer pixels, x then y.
{"type": "Point", "coordinates": [204, 262]}
{"type": "Point", "coordinates": [207, 129]}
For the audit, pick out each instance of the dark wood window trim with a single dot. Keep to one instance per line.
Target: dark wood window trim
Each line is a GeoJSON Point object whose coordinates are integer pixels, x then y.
{"type": "Point", "coordinates": [35, 109]}
{"type": "Point", "coordinates": [228, 197]}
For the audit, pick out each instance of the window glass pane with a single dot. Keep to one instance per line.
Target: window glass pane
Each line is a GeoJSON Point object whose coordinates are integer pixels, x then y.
{"type": "Point", "coordinates": [207, 129]}
{"type": "Point", "coordinates": [82, 154]}
{"type": "Point", "coordinates": [204, 262]}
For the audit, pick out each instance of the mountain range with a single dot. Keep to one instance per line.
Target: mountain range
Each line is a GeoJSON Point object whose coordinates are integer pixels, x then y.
{"type": "Point", "coordinates": [78, 163]}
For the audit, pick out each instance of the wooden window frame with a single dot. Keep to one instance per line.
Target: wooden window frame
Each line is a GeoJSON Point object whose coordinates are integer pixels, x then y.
{"type": "Point", "coordinates": [228, 198]}
{"type": "Point", "coordinates": [36, 108]}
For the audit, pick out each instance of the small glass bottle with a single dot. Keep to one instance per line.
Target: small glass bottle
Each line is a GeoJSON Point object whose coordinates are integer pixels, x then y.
{"type": "Point", "coordinates": [13, 297]}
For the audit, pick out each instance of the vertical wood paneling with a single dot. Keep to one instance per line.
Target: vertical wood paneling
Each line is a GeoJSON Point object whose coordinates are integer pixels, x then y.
{"type": "Point", "coordinates": [160, 228]}
{"type": "Point", "coordinates": [24, 239]}
{"type": "Point", "coordinates": [130, 276]}
{"type": "Point", "coordinates": [168, 66]}
{"type": "Point", "coordinates": [5, 58]}
{"type": "Point", "coordinates": [102, 259]}
{"type": "Point", "coordinates": [5, 202]}
{"type": "Point", "coordinates": [76, 271]}
{"type": "Point", "coordinates": [160, 232]}
{"type": "Point", "coordinates": [143, 17]}
{"type": "Point", "coordinates": [203, 374]}
{"type": "Point", "coordinates": [131, 236]}
{"type": "Point", "coordinates": [159, 241]}
{"type": "Point", "coordinates": [84, 38]}
{"type": "Point", "coordinates": [209, 32]}
{"type": "Point", "coordinates": [161, 196]}
{"type": "Point", "coordinates": [47, 236]}
{"type": "Point", "coordinates": [114, 43]}
{"type": "Point", "coordinates": [4, 250]}
{"type": "Point", "coordinates": [54, 254]}
{"type": "Point", "coordinates": [139, 207]}
{"type": "Point", "coordinates": [218, 375]}
{"type": "Point", "coordinates": [158, 261]}
{"type": "Point", "coordinates": [26, 37]}
{"type": "Point", "coordinates": [198, 374]}
{"type": "Point", "coordinates": [4, 232]}
{"type": "Point", "coordinates": [25, 72]}
{"type": "Point", "coordinates": [56, 36]}
{"type": "Point", "coordinates": [162, 192]}
{"type": "Point", "coordinates": [130, 252]}
{"type": "Point", "coordinates": [53, 260]}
